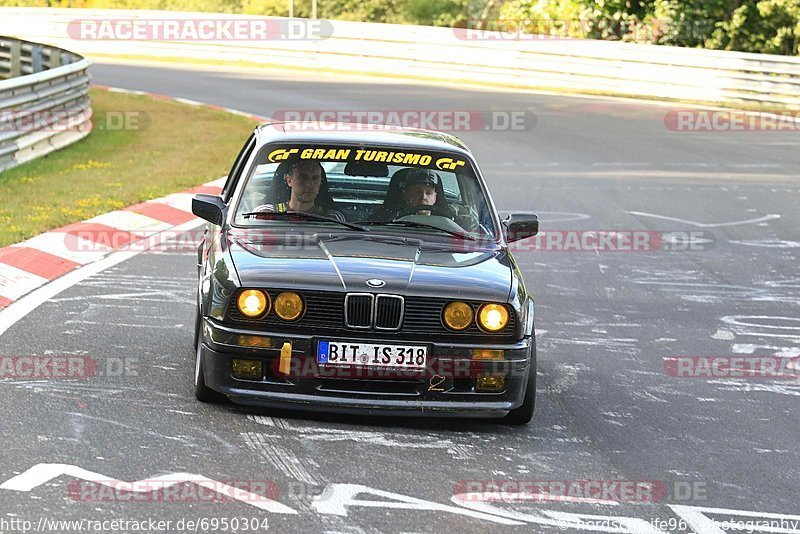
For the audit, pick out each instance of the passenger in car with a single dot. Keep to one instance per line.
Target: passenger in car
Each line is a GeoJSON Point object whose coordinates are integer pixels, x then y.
{"type": "Point", "coordinates": [302, 186]}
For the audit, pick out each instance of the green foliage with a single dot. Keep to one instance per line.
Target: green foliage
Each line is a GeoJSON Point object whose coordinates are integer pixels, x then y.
{"type": "Point", "coordinates": [270, 8]}
{"type": "Point", "coordinates": [434, 12]}
{"type": "Point", "coordinates": [685, 22]}
{"type": "Point", "coordinates": [768, 26]}
{"type": "Point", "coordinates": [556, 17]}
{"type": "Point", "coordinates": [389, 11]}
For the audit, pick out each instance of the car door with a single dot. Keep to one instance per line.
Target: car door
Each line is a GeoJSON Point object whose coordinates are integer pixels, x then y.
{"type": "Point", "coordinates": [227, 190]}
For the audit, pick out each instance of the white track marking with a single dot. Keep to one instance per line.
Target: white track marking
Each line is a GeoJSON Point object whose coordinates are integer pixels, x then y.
{"type": "Point", "coordinates": [769, 217]}
{"type": "Point", "coordinates": [767, 243]}
{"type": "Point", "coordinates": [698, 520]}
{"type": "Point", "coordinates": [42, 473]}
{"type": "Point", "coordinates": [556, 519]}
{"type": "Point", "coordinates": [338, 497]}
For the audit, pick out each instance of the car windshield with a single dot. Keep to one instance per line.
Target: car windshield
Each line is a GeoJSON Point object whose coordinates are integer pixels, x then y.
{"type": "Point", "coordinates": [366, 188]}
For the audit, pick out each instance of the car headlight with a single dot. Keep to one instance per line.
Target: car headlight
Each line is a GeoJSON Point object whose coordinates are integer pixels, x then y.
{"type": "Point", "coordinates": [288, 306]}
{"type": "Point", "coordinates": [457, 315]}
{"type": "Point", "coordinates": [492, 317]}
{"type": "Point", "coordinates": [253, 303]}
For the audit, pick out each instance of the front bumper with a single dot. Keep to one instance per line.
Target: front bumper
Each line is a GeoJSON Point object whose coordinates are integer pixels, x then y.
{"type": "Point", "coordinates": [445, 388]}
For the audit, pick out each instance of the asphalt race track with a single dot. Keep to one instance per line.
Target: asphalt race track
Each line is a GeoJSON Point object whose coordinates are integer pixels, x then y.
{"type": "Point", "coordinates": [721, 448]}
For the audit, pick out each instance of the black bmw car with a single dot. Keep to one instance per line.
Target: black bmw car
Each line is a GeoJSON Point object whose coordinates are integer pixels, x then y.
{"type": "Point", "coordinates": [362, 272]}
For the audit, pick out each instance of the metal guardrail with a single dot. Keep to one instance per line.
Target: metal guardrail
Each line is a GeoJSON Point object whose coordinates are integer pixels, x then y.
{"type": "Point", "coordinates": [44, 100]}
{"type": "Point", "coordinates": [451, 55]}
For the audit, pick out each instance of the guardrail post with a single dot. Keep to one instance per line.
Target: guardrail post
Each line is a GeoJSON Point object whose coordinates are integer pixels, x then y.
{"type": "Point", "coordinates": [55, 58]}
{"type": "Point", "coordinates": [36, 58]}
{"type": "Point", "coordinates": [15, 47]}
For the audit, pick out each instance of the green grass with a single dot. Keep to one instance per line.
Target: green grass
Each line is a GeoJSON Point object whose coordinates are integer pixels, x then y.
{"type": "Point", "coordinates": [176, 147]}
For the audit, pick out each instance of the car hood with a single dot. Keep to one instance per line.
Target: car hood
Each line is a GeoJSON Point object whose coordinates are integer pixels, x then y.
{"type": "Point", "coordinates": [344, 262]}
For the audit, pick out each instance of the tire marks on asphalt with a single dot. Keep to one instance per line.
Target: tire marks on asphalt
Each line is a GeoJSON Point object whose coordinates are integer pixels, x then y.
{"type": "Point", "coordinates": [458, 449]}
{"type": "Point", "coordinates": [269, 446]}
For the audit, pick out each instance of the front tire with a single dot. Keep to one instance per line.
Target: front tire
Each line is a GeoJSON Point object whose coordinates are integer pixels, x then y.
{"type": "Point", "coordinates": [202, 392]}
{"type": "Point", "coordinates": [524, 414]}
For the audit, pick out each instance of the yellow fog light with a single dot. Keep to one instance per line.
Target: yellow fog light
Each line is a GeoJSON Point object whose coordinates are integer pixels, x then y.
{"type": "Point", "coordinates": [288, 306]}
{"type": "Point", "coordinates": [490, 382]}
{"type": "Point", "coordinates": [256, 342]}
{"type": "Point", "coordinates": [485, 354]}
{"type": "Point", "coordinates": [253, 303]}
{"type": "Point", "coordinates": [457, 315]}
{"type": "Point", "coordinates": [493, 317]}
{"type": "Point", "coordinates": [246, 369]}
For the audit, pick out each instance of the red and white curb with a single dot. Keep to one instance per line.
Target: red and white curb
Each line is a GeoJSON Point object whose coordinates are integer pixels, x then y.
{"type": "Point", "coordinates": [31, 264]}
{"type": "Point", "coordinates": [28, 265]}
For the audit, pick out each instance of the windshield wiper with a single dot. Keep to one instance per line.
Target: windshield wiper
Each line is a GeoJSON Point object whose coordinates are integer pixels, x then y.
{"type": "Point", "coordinates": [414, 224]}
{"type": "Point", "coordinates": [307, 215]}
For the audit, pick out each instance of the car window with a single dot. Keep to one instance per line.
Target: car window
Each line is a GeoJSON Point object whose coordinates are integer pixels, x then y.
{"type": "Point", "coordinates": [368, 186]}
{"type": "Point", "coordinates": [237, 167]}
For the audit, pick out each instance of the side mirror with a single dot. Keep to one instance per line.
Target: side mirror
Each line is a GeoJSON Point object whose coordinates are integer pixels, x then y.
{"type": "Point", "coordinates": [521, 226]}
{"type": "Point", "coordinates": [209, 207]}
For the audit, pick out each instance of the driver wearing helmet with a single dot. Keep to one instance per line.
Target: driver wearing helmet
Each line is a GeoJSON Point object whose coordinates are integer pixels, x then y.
{"type": "Point", "coordinates": [417, 188]}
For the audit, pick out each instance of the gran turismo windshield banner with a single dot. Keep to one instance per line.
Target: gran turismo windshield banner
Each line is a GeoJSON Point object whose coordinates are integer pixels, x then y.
{"type": "Point", "coordinates": [433, 160]}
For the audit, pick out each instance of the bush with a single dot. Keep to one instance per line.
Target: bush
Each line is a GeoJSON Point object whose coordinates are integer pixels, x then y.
{"type": "Point", "coordinates": [767, 26]}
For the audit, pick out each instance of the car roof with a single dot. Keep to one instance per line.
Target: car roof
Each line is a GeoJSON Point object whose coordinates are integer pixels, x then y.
{"type": "Point", "coordinates": [298, 132]}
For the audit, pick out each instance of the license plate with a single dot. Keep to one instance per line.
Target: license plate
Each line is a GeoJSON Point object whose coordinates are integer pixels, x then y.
{"type": "Point", "coordinates": [372, 355]}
